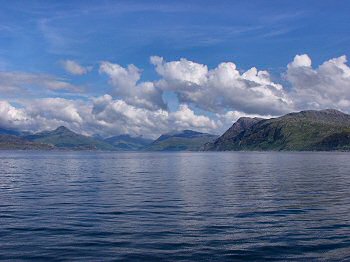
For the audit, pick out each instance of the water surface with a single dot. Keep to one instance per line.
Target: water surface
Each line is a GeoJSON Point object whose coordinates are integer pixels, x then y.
{"type": "Point", "coordinates": [185, 206]}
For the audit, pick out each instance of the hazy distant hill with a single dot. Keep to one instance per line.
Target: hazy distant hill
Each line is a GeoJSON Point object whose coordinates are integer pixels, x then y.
{"type": "Point", "coordinates": [15, 142]}
{"type": "Point", "coordinates": [127, 142]}
{"type": "Point", "coordinates": [186, 140]}
{"type": "Point", "coordinates": [62, 137]}
{"type": "Point", "coordinates": [306, 130]}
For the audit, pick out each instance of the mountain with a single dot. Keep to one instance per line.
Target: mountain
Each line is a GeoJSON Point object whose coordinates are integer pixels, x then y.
{"type": "Point", "coordinates": [186, 140]}
{"type": "Point", "coordinates": [302, 131]}
{"type": "Point", "coordinates": [224, 142]}
{"type": "Point", "coordinates": [127, 142]}
{"type": "Point", "coordinates": [14, 142]}
{"type": "Point", "coordinates": [62, 137]}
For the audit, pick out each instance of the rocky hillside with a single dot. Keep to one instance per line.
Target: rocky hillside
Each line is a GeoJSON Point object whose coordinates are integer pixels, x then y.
{"type": "Point", "coordinates": [306, 130]}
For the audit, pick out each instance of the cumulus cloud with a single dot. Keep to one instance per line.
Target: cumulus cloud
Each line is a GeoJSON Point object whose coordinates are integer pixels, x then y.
{"type": "Point", "coordinates": [103, 115]}
{"type": "Point", "coordinates": [74, 67]}
{"type": "Point", "coordinates": [180, 71]}
{"type": "Point", "coordinates": [11, 116]}
{"type": "Point", "coordinates": [185, 118]}
{"type": "Point", "coordinates": [121, 117]}
{"type": "Point", "coordinates": [125, 83]}
{"type": "Point", "coordinates": [57, 109]}
{"type": "Point", "coordinates": [222, 95]}
{"type": "Point", "coordinates": [300, 61]}
{"type": "Point", "coordinates": [222, 88]}
{"type": "Point", "coordinates": [327, 86]}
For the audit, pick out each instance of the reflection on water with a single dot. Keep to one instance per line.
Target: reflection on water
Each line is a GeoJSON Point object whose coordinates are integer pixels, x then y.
{"type": "Point", "coordinates": [186, 206]}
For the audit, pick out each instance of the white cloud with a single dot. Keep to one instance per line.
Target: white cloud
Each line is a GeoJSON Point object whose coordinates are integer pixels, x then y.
{"type": "Point", "coordinates": [125, 86]}
{"type": "Point", "coordinates": [136, 107]}
{"type": "Point", "coordinates": [327, 86]}
{"type": "Point", "coordinates": [180, 71]}
{"type": "Point", "coordinates": [300, 61]}
{"type": "Point", "coordinates": [57, 109]}
{"type": "Point", "coordinates": [222, 88]}
{"type": "Point", "coordinates": [103, 115]}
{"type": "Point", "coordinates": [75, 68]}
{"type": "Point", "coordinates": [121, 117]}
{"type": "Point", "coordinates": [11, 116]}
{"type": "Point", "coordinates": [185, 118]}
{"type": "Point", "coordinates": [120, 77]}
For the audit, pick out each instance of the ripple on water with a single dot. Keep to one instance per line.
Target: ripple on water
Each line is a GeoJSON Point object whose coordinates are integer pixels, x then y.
{"type": "Point", "coordinates": [184, 206]}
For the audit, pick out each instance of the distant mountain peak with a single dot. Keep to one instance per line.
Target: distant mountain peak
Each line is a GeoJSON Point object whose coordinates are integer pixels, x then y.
{"type": "Point", "coordinates": [62, 129]}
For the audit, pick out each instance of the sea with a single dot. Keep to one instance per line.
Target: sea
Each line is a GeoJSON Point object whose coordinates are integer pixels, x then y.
{"type": "Point", "coordinates": [174, 206]}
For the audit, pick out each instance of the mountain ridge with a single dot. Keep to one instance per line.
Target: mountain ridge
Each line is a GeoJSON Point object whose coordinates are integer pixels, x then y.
{"type": "Point", "coordinates": [308, 130]}
{"type": "Point", "coordinates": [184, 140]}
{"type": "Point", "coordinates": [63, 137]}
{"type": "Point", "coordinates": [127, 142]}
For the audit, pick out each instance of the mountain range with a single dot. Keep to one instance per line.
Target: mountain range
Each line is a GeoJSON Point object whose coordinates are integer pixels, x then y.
{"type": "Point", "coordinates": [64, 139]}
{"type": "Point", "coordinates": [310, 130]}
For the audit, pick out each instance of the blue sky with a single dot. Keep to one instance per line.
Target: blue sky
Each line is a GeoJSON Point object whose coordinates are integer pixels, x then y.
{"type": "Point", "coordinates": [265, 34]}
{"type": "Point", "coordinates": [38, 37]}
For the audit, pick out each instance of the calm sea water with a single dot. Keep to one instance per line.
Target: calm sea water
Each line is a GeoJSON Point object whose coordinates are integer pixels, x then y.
{"type": "Point", "coordinates": [174, 206]}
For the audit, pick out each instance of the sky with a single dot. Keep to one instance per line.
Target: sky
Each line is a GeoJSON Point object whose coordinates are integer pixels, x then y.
{"type": "Point", "coordinates": [149, 67]}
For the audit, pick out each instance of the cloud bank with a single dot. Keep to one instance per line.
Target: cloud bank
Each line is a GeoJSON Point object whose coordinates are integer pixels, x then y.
{"type": "Point", "coordinates": [209, 99]}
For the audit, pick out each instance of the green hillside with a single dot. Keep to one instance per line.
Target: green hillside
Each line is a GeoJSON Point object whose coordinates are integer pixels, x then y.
{"type": "Point", "coordinates": [307, 130]}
